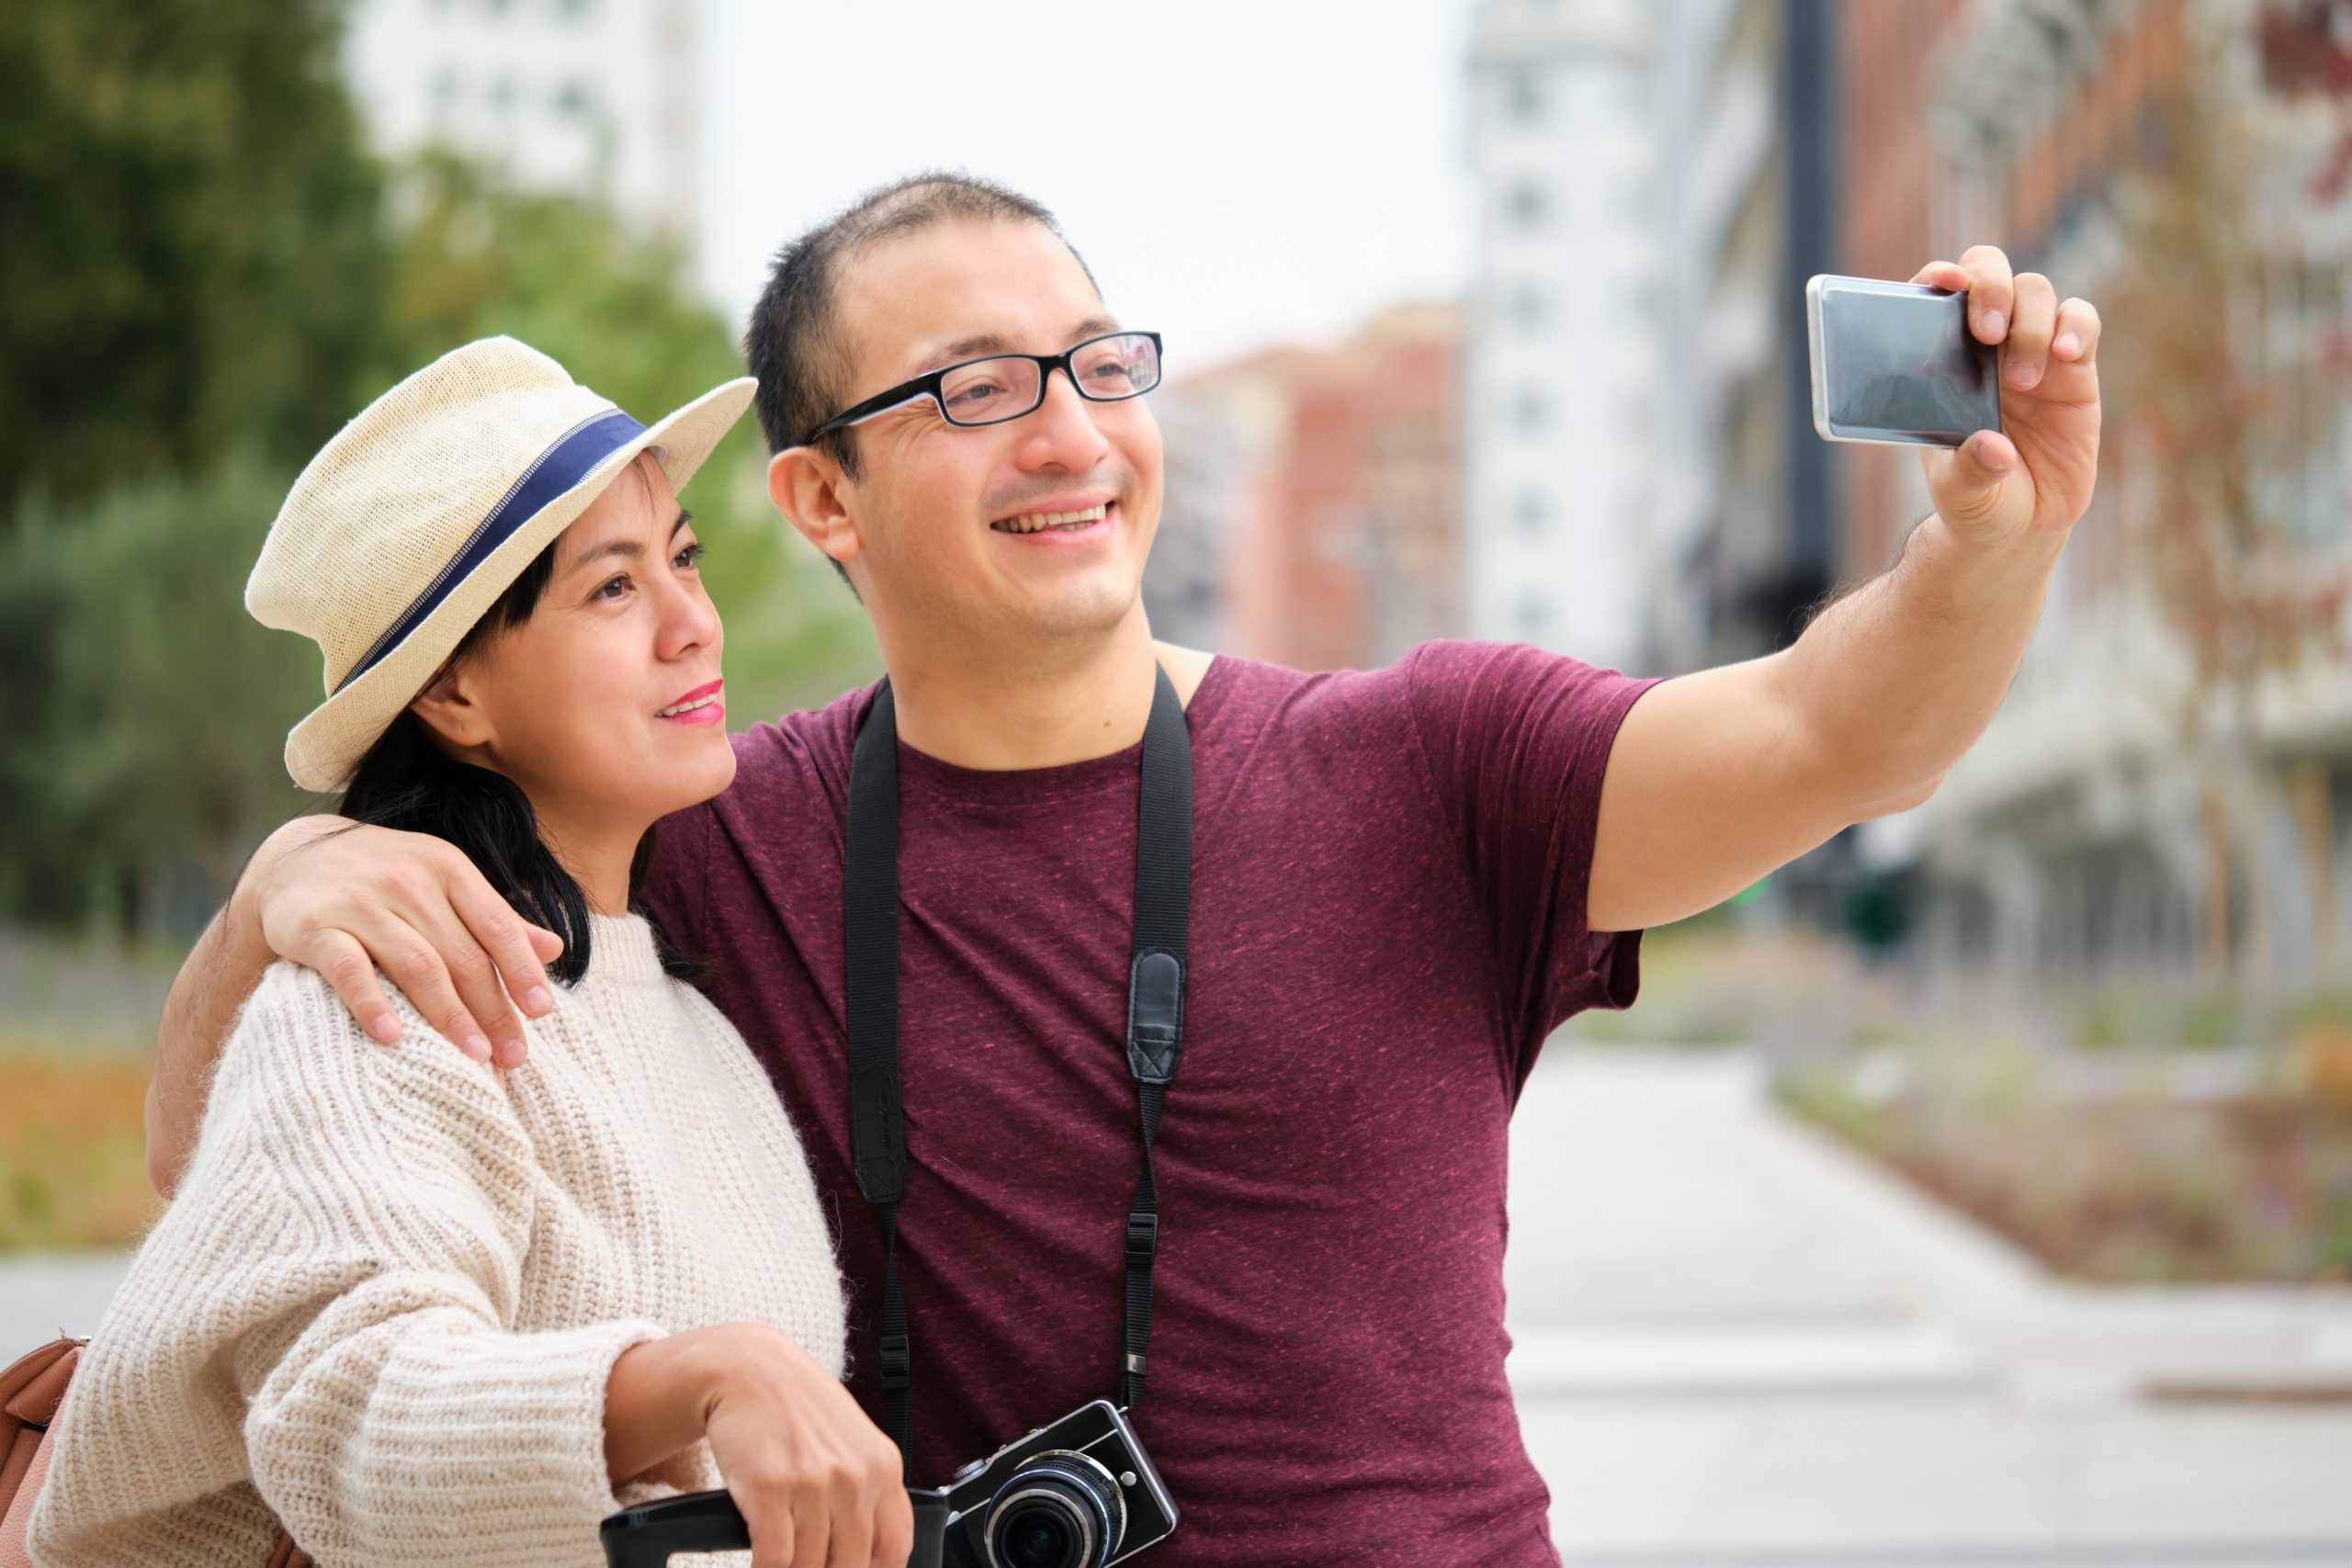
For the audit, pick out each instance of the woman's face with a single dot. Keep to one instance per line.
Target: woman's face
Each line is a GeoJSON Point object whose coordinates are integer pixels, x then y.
{"type": "Point", "coordinates": [605, 706]}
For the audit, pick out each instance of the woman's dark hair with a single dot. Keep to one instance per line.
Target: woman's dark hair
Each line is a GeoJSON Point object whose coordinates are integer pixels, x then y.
{"type": "Point", "coordinates": [407, 781]}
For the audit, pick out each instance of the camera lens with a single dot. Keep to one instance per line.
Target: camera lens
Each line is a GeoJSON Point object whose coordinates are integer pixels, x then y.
{"type": "Point", "coordinates": [1038, 1537]}
{"type": "Point", "coordinates": [1058, 1510]}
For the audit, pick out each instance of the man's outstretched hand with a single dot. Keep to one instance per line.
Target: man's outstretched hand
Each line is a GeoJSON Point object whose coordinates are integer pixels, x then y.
{"type": "Point", "coordinates": [2033, 476]}
{"type": "Point", "coordinates": [347, 900]}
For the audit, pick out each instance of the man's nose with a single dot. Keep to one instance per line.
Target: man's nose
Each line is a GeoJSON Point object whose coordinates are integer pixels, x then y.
{"type": "Point", "coordinates": [1062, 432]}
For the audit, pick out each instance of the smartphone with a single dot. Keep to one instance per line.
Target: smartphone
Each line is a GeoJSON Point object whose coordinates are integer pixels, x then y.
{"type": "Point", "coordinates": [1895, 364]}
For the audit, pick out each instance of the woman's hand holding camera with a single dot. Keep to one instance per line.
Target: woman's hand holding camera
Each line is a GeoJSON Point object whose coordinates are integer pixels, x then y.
{"type": "Point", "coordinates": [819, 1485]}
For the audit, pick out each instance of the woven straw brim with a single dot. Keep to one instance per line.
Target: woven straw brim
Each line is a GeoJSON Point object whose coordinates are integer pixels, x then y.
{"type": "Point", "coordinates": [321, 751]}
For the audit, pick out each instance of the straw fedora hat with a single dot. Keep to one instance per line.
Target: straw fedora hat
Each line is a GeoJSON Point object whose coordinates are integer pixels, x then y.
{"type": "Point", "coordinates": [409, 524]}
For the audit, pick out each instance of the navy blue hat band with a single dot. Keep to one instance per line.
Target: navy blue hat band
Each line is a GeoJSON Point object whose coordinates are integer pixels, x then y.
{"type": "Point", "coordinates": [556, 472]}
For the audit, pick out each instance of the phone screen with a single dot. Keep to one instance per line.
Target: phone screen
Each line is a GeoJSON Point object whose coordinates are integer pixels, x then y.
{"type": "Point", "coordinates": [1895, 362]}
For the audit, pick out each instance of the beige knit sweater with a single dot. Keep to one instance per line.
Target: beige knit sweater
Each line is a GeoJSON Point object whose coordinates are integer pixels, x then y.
{"type": "Point", "coordinates": [385, 1302]}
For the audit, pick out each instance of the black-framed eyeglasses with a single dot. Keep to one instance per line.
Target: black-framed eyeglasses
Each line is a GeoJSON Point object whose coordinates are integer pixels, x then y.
{"type": "Point", "coordinates": [1006, 386]}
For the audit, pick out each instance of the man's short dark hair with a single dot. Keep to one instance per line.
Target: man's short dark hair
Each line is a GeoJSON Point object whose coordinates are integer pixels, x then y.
{"type": "Point", "coordinates": [793, 343]}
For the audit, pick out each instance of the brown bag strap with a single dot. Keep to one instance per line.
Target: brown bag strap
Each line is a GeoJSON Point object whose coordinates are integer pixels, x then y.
{"type": "Point", "coordinates": [31, 1390]}
{"type": "Point", "coordinates": [34, 1386]}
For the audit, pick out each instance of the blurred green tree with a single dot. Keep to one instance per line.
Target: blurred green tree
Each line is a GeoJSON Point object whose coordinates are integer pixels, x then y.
{"type": "Point", "coordinates": [151, 711]}
{"type": "Point", "coordinates": [191, 247]}
{"type": "Point", "coordinates": [205, 274]}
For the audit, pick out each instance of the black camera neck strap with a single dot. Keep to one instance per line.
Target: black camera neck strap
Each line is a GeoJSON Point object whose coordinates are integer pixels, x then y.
{"type": "Point", "coordinates": [1155, 1010]}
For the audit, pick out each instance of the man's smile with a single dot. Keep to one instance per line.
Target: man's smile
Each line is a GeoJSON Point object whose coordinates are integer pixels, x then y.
{"type": "Point", "coordinates": [1058, 523]}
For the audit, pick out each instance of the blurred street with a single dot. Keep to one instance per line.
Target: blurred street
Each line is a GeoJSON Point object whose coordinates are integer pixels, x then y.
{"type": "Point", "coordinates": [1738, 1343]}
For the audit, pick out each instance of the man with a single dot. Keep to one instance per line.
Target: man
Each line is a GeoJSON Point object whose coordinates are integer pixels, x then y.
{"type": "Point", "coordinates": [1402, 882]}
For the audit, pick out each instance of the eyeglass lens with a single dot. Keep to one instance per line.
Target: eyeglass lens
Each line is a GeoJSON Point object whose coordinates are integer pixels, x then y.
{"type": "Point", "coordinates": [989, 391]}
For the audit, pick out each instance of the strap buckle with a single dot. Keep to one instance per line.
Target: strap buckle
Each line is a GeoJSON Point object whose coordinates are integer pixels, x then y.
{"type": "Point", "coordinates": [1143, 1237]}
{"type": "Point", "coordinates": [898, 1365]}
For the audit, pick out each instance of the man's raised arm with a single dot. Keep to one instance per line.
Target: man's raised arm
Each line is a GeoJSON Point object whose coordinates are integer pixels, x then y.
{"type": "Point", "coordinates": [347, 901]}
{"type": "Point", "coordinates": [1717, 778]}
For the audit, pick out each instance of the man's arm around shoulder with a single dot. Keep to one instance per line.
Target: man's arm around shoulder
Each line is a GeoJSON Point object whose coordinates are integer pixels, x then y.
{"type": "Point", "coordinates": [346, 900]}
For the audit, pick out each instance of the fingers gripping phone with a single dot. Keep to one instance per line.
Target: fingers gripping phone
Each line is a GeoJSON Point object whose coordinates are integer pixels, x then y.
{"type": "Point", "coordinates": [1895, 365]}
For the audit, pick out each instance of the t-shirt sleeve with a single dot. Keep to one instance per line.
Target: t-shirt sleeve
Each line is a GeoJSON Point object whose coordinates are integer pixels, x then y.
{"type": "Point", "coordinates": [1517, 742]}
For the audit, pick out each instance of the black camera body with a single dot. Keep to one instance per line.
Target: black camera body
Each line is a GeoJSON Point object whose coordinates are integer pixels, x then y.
{"type": "Point", "coordinates": [1079, 1493]}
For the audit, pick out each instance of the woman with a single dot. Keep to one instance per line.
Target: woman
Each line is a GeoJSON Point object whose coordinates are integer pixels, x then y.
{"type": "Point", "coordinates": [418, 1311]}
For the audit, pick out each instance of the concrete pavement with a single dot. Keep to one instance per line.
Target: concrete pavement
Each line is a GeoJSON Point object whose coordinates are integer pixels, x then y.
{"type": "Point", "coordinates": [43, 1296]}
{"type": "Point", "coordinates": [1738, 1343]}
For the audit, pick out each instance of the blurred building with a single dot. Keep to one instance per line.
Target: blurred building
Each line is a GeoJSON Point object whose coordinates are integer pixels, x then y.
{"type": "Point", "coordinates": [2091, 832]}
{"type": "Point", "coordinates": [1313, 510]}
{"type": "Point", "coordinates": [596, 98]}
{"type": "Point", "coordinates": [1716, 116]}
{"type": "Point", "coordinates": [1656, 183]}
{"type": "Point", "coordinates": [1565, 374]}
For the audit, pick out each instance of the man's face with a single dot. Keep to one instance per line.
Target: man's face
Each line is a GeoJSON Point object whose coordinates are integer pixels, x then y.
{"type": "Point", "coordinates": [942, 512]}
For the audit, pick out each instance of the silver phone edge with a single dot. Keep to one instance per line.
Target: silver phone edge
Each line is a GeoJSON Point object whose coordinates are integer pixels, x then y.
{"type": "Point", "coordinates": [1815, 288]}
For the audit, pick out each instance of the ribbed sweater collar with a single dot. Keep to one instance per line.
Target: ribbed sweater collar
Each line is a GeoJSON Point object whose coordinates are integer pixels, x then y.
{"type": "Point", "coordinates": [621, 951]}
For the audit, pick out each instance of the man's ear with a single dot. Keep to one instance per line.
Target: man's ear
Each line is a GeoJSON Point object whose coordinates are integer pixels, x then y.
{"type": "Point", "coordinates": [805, 484]}
{"type": "Point", "coordinates": [448, 708]}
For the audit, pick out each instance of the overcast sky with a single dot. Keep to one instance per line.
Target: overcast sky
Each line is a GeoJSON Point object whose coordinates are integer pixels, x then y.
{"type": "Point", "coordinates": [1238, 173]}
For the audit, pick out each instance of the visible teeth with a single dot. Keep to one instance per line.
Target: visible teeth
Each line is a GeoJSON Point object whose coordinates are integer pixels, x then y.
{"type": "Point", "coordinates": [1030, 522]}
{"type": "Point", "coordinates": [689, 707]}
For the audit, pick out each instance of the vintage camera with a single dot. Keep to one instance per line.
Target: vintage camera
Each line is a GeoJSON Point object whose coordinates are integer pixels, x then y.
{"type": "Point", "coordinates": [1078, 1494]}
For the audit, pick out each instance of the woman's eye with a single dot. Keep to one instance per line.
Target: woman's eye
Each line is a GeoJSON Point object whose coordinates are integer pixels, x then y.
{"type": "Point", "coordinates": [689, 557]}
{"type": "Point", "coordinates": [608, 592]}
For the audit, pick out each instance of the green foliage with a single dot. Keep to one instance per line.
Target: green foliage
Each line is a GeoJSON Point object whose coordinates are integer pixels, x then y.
{"type": "Point", "coordinates": [2321, 1009]}
{"type": "Point", "coordinates": [206, 276]}
{"type": "Point", "coordinates": [2212, 1018]}
{"type": "Point", "coordinates": [151, 711]}
{"type": "Point", "coordinates": [2107, 1020]}
{"type": "Point", "coordinates": [1829, 1100]}
{"type": "Point", "coordinates": [189, 240]}
{"type": "Point", "coordinates": [473, 257]}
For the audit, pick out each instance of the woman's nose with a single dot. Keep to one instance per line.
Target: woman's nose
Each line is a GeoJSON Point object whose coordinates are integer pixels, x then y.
{"type": "Point", "coordinates": [689, 620]}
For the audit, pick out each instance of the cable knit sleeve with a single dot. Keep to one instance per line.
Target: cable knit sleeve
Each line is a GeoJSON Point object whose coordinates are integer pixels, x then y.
{"type": "Point", "coordinates": [327, 1308]}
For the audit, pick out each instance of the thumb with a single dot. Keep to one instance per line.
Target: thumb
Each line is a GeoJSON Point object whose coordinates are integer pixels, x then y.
{"type": "Point", "coordinates": [546, 943]}
{"type": "Point", "coordinates": [1968, 483]}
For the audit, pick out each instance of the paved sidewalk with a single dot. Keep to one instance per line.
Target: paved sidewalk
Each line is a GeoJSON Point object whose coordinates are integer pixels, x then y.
{"type": "Point", "coordinates": [43, 1295]}
{"type": "Point", "coordinates": [1738, 1343]}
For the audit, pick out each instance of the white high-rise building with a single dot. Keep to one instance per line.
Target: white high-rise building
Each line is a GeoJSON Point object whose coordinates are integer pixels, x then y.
{"type": "Point", "coordinates": [1565, 357]}
{"type": "Point", "coordinates": [599, 98]}
{"type": "Point", "coordinates": [1630, 480]}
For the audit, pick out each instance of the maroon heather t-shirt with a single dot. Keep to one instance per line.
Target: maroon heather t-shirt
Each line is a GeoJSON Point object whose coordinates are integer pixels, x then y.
{"type": "Point", "coordinates": [1388, 884]}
